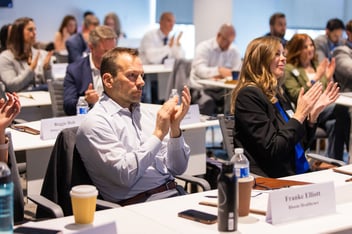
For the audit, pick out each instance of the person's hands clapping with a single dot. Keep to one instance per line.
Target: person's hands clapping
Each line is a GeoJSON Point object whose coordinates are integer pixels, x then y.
{"type": "Point", "coordinates": [330, 69]}
{"type": "Point", "coordinates": [34, 61]}
{"type": "Point", "coordinates": [163, 118]}
{"type": "Point", "coordinates": [9, 110]}
{"type": "Point", "coordinates": [306, 101]}
{"type": "Point", "coordinates": [329, 96]}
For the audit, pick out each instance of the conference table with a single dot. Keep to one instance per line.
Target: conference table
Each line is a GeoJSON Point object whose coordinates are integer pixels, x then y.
{"type": "Point", "coordinates": [161, 216]}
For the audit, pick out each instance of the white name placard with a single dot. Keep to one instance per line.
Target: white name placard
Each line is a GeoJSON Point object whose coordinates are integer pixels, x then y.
{"type": "Point", "coordinates": [192, 115]}
{"type": "Point", "coordinates": [50, 128]}
{"type": "Point", "coordinates": [301, 202]}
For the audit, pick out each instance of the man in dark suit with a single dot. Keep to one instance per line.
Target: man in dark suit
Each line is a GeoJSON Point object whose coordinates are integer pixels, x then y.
{"type": "Point", "coordinates": [77, 44]}
{"type": "Point", "coordinates": [83, 76]}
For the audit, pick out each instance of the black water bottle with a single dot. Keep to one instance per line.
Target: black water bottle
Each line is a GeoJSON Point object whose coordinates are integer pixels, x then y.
{"type": "Point", "coordinates": [227, 195]}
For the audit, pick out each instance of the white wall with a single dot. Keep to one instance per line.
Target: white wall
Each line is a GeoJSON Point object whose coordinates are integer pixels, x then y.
{"type": "Point", "coordinates": [209, 15]}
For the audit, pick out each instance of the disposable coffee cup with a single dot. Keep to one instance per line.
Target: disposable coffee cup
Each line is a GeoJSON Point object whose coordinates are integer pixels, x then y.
{"type": "Point", "coordinates": [235, 75]}
{"type": "Point", "coordinates": [244, 195]}
{"type": "Point", "coordinates": [84, 200]}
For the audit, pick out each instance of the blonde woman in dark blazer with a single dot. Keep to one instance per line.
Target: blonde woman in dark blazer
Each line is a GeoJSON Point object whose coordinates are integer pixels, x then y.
{"type": "Point", "coordinates": [273, 133]}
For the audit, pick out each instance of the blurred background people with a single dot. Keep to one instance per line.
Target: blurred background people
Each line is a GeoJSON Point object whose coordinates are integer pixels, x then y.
{"type": "Point", "coordinates": [67, 28]}
{"type": "Point", "coordinates": [343, 58]}
{"type": "Point", "coordinates": [214, 58]}
{"type": "Point", "coordinates": [302, 71]}
{"type": "Point", "coordinates": [76, 44]}
{"type": "Point", "coordinates": [157, 45]}
{"type": "Point", "coordinates": [22, 66]}
{"type": "Point", "coordinates": [277, 25]}
{"type": "Point", "coordinates": [325, 44]}
{"type": "Point", "coordinates": [4, 35]}
{"type": "Point", "coordinates": [83, 76]}
{"type": "Point", "coordinates": [112, 20]}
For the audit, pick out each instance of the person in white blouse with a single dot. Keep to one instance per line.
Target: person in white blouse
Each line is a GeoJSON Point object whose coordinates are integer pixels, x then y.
{"type": "Point", "coordinates": [157, 45]}
{"type": "Point", "coordinates": [215, 59]}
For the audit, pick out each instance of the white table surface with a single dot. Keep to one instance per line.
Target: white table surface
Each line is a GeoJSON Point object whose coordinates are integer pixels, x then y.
{"type": "Point", "coordinates": [217, 83]}
{"type": "Point", "coordinates": [161, 216]}
{"type": "Point", "coordinates": [35, 98]}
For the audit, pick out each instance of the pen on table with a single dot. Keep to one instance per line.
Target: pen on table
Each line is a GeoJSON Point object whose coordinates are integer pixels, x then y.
{"type": "Point", "coordinates": [348, 180]}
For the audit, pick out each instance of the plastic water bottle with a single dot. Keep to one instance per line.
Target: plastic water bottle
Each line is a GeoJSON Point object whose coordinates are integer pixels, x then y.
{"type": "Point", "coordinates": [6, 199]}
{"type": "Point", "coordinates": [241, 163]}
{"type": "Point", "coordinates": [227, 199]}
{"type": "Point", "coordinates": [82, 106]}
{"type": "Point", "coordinates": [173, 93]}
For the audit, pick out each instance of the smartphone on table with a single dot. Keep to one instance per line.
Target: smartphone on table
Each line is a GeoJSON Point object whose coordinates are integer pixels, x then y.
{"type": "Point", "coordinates": [198, 216]}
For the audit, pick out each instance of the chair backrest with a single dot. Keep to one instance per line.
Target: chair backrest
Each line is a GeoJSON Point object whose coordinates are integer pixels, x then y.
{"type": "Point", "coordinates": [56, 90]}
{"type": "Point", "coordinates": [227, 124]}
{"type": "Point", "coordinates": [179, 76]}
{"type": "Point", "coordinates": [59, 178]}
{"type": "Point", "coordinates": [18, 191]}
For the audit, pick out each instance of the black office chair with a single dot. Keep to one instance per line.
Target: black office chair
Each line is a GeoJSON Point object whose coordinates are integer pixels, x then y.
{"type": "Point", "coordinates": [18, 190]}
{"type": "Point", "coordinates": [63, 172]}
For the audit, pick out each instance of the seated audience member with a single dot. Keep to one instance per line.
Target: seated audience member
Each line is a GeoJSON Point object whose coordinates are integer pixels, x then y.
{"type": "Point", "coordinates": [22, 66]}
{"type": "Point", "coordinates": [302, 71]}
{"type": "Point", "coordinates": [112, 20]}
{"type": "Point", "coordinates": [325, 44]}
{"type": "Point", "coordinates": [343, 58]}
{"type": "Point", "coordinates": [4, 35]}
{"type": "Point", "coordinates": [214, 59]}
{"type": "Point", "coordinates": [8, 112]}
{"type": "Point", "coordinates": [83, 76]}
{"type": "Point", "coordinates": [157, 45]}
{"type": "Point", "coordinates": [67, 28]}
{"type": "Point", "coordinates": [273, 134]}
{"type": "Point", "coordinates": [132, 153]}
{"type": "Point", "coordinates": [76, 44]}
{"type": "Point", "coordinates": [277, 25]}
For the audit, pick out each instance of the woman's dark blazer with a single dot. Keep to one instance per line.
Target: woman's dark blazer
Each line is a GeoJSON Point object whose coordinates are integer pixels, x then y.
{"type": "Point", "coordinates": [269, 141]}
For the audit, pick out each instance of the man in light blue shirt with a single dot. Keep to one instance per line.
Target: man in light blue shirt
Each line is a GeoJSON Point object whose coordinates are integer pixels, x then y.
{"type": "Point", "coordinates": [129, 151]}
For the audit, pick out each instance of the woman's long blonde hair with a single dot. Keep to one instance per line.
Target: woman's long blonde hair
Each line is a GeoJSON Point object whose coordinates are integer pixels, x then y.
{"type": "Point", "coordinates": [255, 69]}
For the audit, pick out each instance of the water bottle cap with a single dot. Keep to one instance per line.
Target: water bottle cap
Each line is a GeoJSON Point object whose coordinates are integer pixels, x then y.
{"type": "Point", "coordinates": [5, 173]}
{"type": "Point", "coordinates": [238, 150]}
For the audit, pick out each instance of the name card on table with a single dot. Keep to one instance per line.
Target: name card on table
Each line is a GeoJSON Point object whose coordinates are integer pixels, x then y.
{"type": "Point", "coordinates": [50, 128]}
{"type": "Point", "coordinates": [301, 202]}
{"type": "Point", "coordinates": [192, 115]}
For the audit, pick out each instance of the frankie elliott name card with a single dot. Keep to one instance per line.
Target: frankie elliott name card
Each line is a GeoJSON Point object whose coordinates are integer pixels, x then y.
{"type": "Point", "coordinates": [50, 128]}
{"type": "Point", "coordinates": [301, 202]}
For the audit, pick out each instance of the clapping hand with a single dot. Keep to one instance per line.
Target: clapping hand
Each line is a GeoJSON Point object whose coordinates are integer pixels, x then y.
{"type": "Point", "coordinates": [329, 96]}
{"type": "Point", "coordinates": [9, 110]}
{"type": "Point", "coordinates": [306, 101]}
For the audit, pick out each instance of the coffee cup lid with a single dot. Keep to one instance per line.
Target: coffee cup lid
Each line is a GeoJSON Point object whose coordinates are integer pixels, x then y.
{"type": "Point", "coordinates": [84, 191]}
